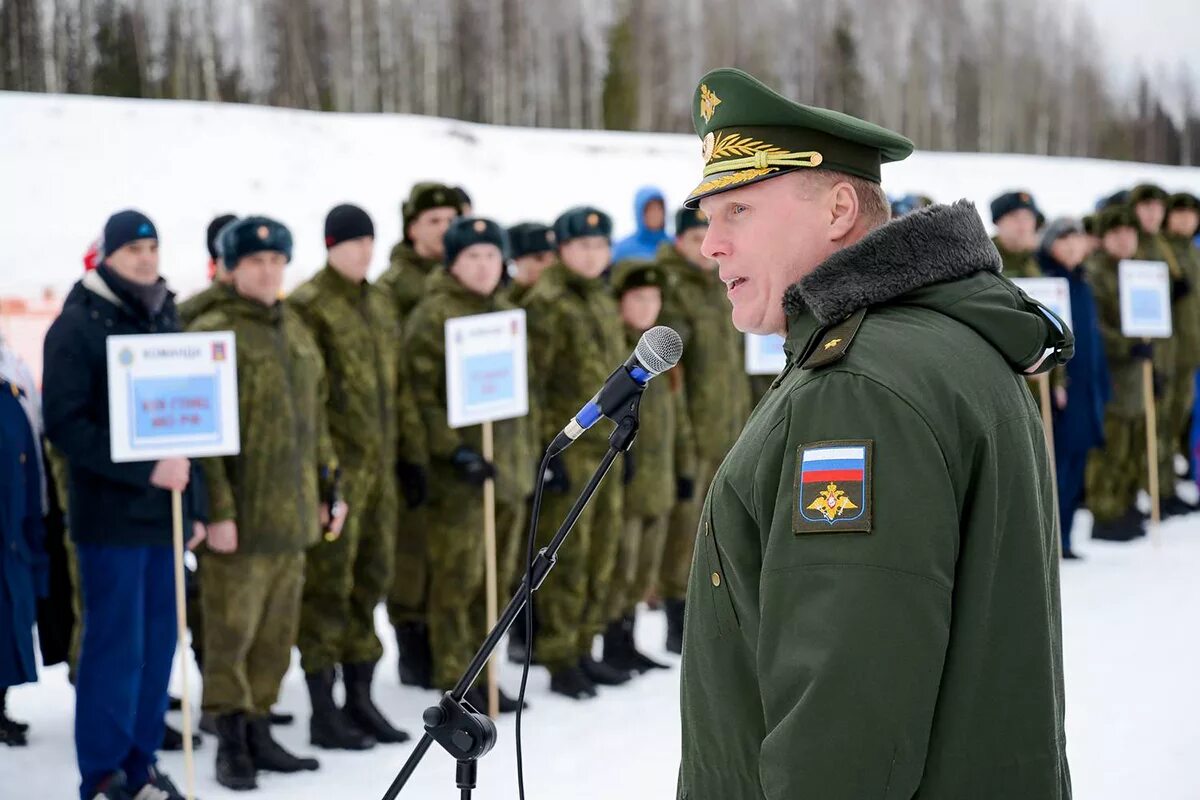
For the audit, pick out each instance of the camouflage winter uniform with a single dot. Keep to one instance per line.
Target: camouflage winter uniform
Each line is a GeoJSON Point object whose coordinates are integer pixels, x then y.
{"type": "Point", "coordinates": [662, 452]}
{"type": "Point", "coordinates": [1185, 313]}
{"type": "Point", "coordinates": [203, 301]}
{"type": "Point", "coordinates": [1115, 472]}
{"type": "Point", "coordinates": [271, 490]}
{"type": "Point", "coordinates": [1172, 385]}
{"type": "Point", "coordinates": [405, 279]}
{"type": "Point", "coordinates": [717, 392]}
{"type": "Point", "coordinates": [575, 341]}
{"type": "Point", "coordinates": [1017, 264]}
{"type": "Point", "coordinates": [356, 331]}
{"type": "Point", "coordinates": [454, 515]}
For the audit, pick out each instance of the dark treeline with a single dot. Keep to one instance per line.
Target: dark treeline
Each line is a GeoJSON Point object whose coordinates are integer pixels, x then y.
{"type": "Point", "coordinates": [969, 75]}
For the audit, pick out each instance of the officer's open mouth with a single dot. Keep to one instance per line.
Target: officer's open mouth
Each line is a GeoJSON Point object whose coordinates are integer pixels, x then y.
{"type": "Point", "coordinates": [733, 283]}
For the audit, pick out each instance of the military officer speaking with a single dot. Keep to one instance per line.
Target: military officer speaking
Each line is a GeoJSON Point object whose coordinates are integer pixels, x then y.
{"type": "Point", "coordinates": [874, 602]}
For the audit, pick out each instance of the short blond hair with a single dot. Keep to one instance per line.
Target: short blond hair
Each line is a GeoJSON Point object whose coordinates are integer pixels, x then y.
{"type": "Point", "coordinates": [873, 205]}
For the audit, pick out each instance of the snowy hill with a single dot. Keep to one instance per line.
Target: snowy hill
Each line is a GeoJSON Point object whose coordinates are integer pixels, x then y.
{"type": "Point", "coordinates": [66, 162]}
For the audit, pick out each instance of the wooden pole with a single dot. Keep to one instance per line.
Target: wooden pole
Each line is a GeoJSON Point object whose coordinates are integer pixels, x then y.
{"type": "Point", "coordinates": [1043, 381]}
{"type": "Point", "coordinates": [489, 549]}
{"type": "Point", "coordinates": [189, 769]}
{"type": "Point", "coordinates": [1151, 445]}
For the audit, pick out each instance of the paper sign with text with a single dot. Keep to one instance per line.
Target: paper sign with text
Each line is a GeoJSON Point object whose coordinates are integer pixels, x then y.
{"type": "Point", "coordinates": [172, 395]}
{"type": "Point", "coordinates": [1145, 299]}
{"type": "Point", "coordinates": [1053, 293]}
{"type": "Point", "coordinates": [486, 369]}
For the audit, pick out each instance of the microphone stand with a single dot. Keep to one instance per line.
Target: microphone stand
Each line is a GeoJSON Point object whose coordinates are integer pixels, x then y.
{"type": "Point", "coordinates": [462, 731]}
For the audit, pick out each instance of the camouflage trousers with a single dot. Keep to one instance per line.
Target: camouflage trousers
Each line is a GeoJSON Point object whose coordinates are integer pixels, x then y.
{"type": "Point", "coordinates": [681, 536]}
{"type": "Point", "coordinates": [1174, 416]}
{"type": "Point", "coordinates": [564, 596]}
{"type": "Point", "coordinates": [1115, 473]}
{"type": "Point", "coordinates": [638, 563]}
{"type": "Point", "coordinates": [252, 609]}
{"type": "Point", "coordinates": [409, 591]}
{"type": "Point", "coordinates": [512, 529]}
{"type": "Point", "coordinates": [607, 533]}
{"type": "Point", "coordinates": [344, 580]}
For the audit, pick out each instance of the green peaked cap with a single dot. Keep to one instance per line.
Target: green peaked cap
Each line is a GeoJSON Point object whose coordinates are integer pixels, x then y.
{"type": "Point", "coordinates": [749, 132]}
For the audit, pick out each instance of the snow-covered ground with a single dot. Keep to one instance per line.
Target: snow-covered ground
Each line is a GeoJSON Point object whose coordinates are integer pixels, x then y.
{"type": "Point", "coordinates": [1133, 706]}
{"type": "Point", "coordinates": [67, 162]}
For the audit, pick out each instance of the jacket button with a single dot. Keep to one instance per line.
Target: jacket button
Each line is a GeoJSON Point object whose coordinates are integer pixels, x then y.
{"type": "Point", "coordinates": [716, 579]}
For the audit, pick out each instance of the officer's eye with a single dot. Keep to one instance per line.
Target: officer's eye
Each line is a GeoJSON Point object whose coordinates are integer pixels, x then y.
{"type": "Point", "coordinates": [737, 208]}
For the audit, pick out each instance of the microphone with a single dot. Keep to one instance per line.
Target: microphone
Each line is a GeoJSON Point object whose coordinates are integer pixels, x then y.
{"type": "Point", "coordinates": [659, 349]}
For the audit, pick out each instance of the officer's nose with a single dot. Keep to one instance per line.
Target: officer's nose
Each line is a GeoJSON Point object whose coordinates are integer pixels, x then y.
{"type": "Point", "coordinates": [715, 243]}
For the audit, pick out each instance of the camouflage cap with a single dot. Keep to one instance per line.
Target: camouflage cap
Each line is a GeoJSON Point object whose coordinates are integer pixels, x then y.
{"type": "Point", "coordinates": [530, 238]}
{"type": "Point", "coordinates": [1146, 191]}
{"type": "Point", "coordinates": [582, 221]}
{"type": "Point", "coordinates": [1183, 201]}
{"type": "Point", "coordinates": [424, 196]}
{"type": "Point", "coordinates": [635, 273]}
{"type": "Point", "coordinates": [1113, 217]}
{"type": "Point", "coordinates": [749, 133]}
{"type": "Point", "coordinates": [686, 218]}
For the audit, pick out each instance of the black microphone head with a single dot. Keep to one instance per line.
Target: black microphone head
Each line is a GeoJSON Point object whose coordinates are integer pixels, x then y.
{"type": "Point", "coordinates": [659, 349]}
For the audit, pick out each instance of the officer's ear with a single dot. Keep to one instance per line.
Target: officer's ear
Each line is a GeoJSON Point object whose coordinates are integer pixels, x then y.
{"type": "Point", "coordinates": [843, 208]}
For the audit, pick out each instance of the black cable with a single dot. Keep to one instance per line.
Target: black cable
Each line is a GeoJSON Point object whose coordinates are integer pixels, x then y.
{"type": "Point", "coordinates": [535, 511]}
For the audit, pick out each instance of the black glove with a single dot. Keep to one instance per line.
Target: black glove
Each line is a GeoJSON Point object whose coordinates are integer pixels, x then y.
{"type": "Point", "coordinates": [1180, 288]}
{"type": "Point", "coordinates": [1160, 385]}
{"type": "Point", "coordinates": [685, 489]}
{"type": "Point", "coordinates": [414, 483]}
{"type": "Point", "coordinates": [1142, 350]}
{"type": "Point", "coordinates": [630, 468]}
{"type": "Point", "coordinates": [471, 467]}
{"type": "Point", "coordinates": [556, 477]}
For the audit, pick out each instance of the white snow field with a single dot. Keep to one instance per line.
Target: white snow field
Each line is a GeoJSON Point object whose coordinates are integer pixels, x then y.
{"type": "Point", "coordinates": [1133, 707]}
{"type": "Point", "coordinates": [67, 162]}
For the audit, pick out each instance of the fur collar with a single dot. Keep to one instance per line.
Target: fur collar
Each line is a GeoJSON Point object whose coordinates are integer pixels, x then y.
{"type": "Point", "coordinates": [932, 245]}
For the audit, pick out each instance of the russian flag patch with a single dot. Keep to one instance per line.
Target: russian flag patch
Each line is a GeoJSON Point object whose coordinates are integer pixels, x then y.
{"type": "Point", "coordinates": [833, 488]}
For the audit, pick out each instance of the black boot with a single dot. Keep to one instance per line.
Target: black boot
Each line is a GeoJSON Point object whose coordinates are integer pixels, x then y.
{"type": "Point", "coordinates": [173, 740]}
{"type": "Point", "coordinates": [573, 683]}
{"type": "Point", "coordinates": [361, 710]}
{"type": "Point", "coordinates": [12, 733]}
{"type": "Point", "coordinates": [1175, 506]}
{"type": "Point", "coordinates": [477, 696]}
{"type": "Point", "coordinates": [674, 609]}
{"type": "Point", "coordinates": [235, 768]}
{"type": "Point", "coordinates": [639, 662]}
{"type": "Point", "coordinates": [268, 754]}
{"type": "Point", "coordinates": [330, 727]}
{"type": "Point", "coordinates": [112, 787]}
{"type": "Point", "coordinates": [1124, 528]}
{"type": "Point", "coordinates": [602, 674]}
{"type": "Point", "coordinates": [281, 718]}
{"type": "Point", "coordinates": [416, 658]}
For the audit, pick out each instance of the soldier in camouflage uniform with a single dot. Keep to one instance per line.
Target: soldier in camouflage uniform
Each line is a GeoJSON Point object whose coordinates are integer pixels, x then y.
{"type": "Point", "coordinates": [261, 518]}
{"type": "Point", "coordinates": [1115, 472]}
{"type": "Point", "coordinates": [1183, 216]}
{"type": "Point", "coordinates": [219, 289]}
{"type": "Point", "coordinates": [575, 341]}
{"type": "Point", "coordinates": [345, 579]}
{"type": "Point", "coordinates": [425, 216]}
{"type": "Point", "coordinates": [1015, 215]}
{"type": "Point", "coordinates": [717, 391]}
{"type": "Point", "coordinates": [660, 458]}
{"type": "Point", "coordinates": [518, 449]}
{"type": "Point", "coordinates": [1173, 377]}
{"type": "Point", "coordinates": [454, 516]}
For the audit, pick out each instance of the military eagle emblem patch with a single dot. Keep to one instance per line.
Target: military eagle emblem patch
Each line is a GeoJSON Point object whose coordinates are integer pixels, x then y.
{"type": "Point", "coordinates": [833, 488]}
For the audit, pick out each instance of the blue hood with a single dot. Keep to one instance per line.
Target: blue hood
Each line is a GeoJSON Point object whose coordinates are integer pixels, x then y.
{"type": "Point", "coordinates": [644, 243]}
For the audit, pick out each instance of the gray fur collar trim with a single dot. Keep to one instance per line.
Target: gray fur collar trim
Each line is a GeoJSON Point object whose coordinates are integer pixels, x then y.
{"type": "Point", "coordinates": [932, 245]}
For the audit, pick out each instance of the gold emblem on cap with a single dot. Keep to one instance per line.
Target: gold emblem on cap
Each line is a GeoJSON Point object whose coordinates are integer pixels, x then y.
{"type": "Point", "coordinates": [706, 146]}
{"type": "Point", "coordinates": [480, 226]}
{"type": "Point", "coordinates": [1024, 197]}
{"type": "Point", "coordinates": [708, 102]}
{"type": "Point", "coordinates": [593, 219]}
{"type": "Point", "coordinates": [263, 232]}
{"type": "Point", "coordinates": [550, 237]}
